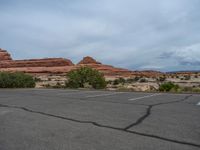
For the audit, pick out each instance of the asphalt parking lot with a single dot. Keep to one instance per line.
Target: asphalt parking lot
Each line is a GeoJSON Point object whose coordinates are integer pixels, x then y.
{"type": "Point", "coordinates": [36, 119]}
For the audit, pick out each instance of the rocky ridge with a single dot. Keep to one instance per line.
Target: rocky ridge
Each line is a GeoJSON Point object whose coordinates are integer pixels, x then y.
{"type": "Point", "coordinates": [62, 66]}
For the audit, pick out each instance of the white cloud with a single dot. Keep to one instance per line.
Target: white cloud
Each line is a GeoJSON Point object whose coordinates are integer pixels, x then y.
{"type": "Point", "coordinates": [125, 33]}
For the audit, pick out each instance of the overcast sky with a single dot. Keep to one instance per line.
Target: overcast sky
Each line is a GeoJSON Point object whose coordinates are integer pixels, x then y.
{"type": "Point", "coordinates": [136, 34]}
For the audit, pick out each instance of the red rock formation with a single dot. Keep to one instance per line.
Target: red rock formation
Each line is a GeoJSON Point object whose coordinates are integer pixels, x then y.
{"type": "Point", "coordinates": [111, 71]}
{"type": "Point", "coordinates": [47, 62]}
{"type": "Point", "coordinates": [46, 65]}
{"type": "Point", "coordinates": [105, 69]}
{"type": "Point", "coordinates": [148, 73]}
{"type": "Point", "coordinates": [4, 55]}
{"type": "Point", "coordinates": [88, 60]}
{"type": "Point", "coordinates": [62, 66]}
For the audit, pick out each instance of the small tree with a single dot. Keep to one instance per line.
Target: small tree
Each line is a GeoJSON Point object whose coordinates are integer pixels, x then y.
{"type": "Point", "coordinates": [83, 76]}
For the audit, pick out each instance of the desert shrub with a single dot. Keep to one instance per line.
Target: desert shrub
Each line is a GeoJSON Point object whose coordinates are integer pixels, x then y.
{"type": "Point", "coordinates": [58, 86]}
{"type": "Point", "coordinates": [130, 80]}
{"type": "Point", "coordinates": [119, 81]}
{"type": "Point", "coordinates": [85, 76]}
{"type": "Point", "coordinates": [187, 77]}
{"type": "Point", "coordinates": [143, 80]}
{"type": "Point", "coordinates": [169, 86]}
{"type": "Point", "coordinates": [191, 89]}
{"type": "Point", "coordinates": [37, 79]}
{"type": "Point", "coordinates": [137, 78]}
{"type": "Point", "coordinates": [122, 80]}
{"type": "Point", "coordinates": [47, 85]}
{"type": "Point", "coordinates": [16, 80]}
{"type": "Point", "coordinates": [161, 79]}
{"type": "Point", "coordinates": [116, 82]}
{"type": "Point", "coordinates": [196, 90]}
{"type": "Point", "coordinates": [109, 82]}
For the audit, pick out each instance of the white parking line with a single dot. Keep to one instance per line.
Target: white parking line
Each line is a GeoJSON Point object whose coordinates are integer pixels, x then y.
{"type": "Point", "coordinates": [100, 95]}
{"type": "Point", "coordinates": [76, 92]}
{"type": "Point", "coordinates": [134, 99]}
{"type": "Point", "coordinates": [198, 104]}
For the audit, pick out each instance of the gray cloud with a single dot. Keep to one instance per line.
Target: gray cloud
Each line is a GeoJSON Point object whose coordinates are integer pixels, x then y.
{"type": "Point", "coordinates": [135, 34]}
{"type": "Point", "coordinates": [187, 56]}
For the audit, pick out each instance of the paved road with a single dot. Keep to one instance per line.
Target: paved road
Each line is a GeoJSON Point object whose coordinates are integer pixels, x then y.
{"type": "Point", "coordinates": [32, 119]}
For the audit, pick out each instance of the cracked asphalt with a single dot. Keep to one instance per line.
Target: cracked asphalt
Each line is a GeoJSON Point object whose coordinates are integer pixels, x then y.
{"type": "Point", "coordinates": [48, 119]}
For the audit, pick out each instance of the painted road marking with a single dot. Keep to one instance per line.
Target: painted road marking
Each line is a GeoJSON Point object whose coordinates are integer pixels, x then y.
{"type": "Point", "coordinates": [138, 98]}
{"type": "Point", "coordinates": [79, 92]}
{"type": "Point", "coordinates": [100, 95]}
{"type": "Point", "coordinates": [198, 104]}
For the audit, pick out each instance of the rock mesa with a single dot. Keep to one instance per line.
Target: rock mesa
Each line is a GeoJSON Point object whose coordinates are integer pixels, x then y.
{"type": "Point", "coordinates": [62, 66]}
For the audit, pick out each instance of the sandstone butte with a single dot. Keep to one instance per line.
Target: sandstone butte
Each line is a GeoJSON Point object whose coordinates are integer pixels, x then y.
{"type": "Point", "coordinates": [62, 66]}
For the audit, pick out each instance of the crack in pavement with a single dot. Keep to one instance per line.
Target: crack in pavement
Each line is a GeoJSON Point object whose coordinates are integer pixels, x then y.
{"type": "Point", "coordinates": [148, 112]}
{"type": "Point", "coordinates": [141, 119]}
{"type": "Point", "coordinates": [106, 126]}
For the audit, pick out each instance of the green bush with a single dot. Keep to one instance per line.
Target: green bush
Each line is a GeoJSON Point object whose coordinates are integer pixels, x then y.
{"type": "Point", "coordinates": [119, 81]}
{"type": "Point", "coordinates": [169, 86]}
{"type": "Point", "coordinates": [161, 79]}
{"type": "Point", "coordinates": [130, 80]}
{"type": "Point", "coordinates": [37, 79]}
{"type": "Point", "coordinates": [116, 82]}
{"type": "Point", "coordinates": [187, 77]}
{"type": "Point", "coordinates": [109, 82]}
{"type": "Point", "coordinates": [143, 80]}
{"type": "Point", "coordinates": [85, 76]}
{"type": "Point", "coordinates": [58, 86]}
{"type": "Point", "coordinates": [137, 78]}
{"type": "Point", "coordinates": [16, 80]}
